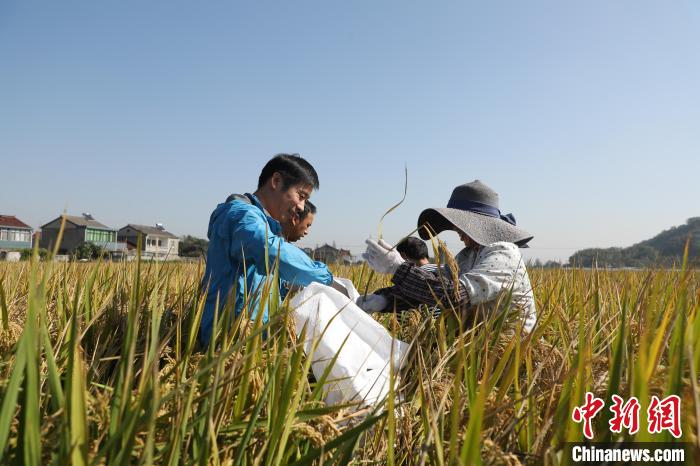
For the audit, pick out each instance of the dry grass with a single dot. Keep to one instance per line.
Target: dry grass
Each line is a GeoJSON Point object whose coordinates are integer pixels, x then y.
{"type": "Point", "coordinates": [98, 366]}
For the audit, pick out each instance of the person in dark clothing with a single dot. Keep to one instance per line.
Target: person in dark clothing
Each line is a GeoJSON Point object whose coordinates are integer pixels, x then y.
{"type": "Point", "coordinates": [298, 226]}
{"type": "Point", "coordinates": [489, 264]}
{"type": "Point", "coordinates": [414, 250]}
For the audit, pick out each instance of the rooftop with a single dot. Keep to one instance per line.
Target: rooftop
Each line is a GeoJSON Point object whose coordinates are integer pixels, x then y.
{"type": "Point", "coordinates": [83, 222]}
{"type": "Point", "coordinates": [148, 230]}
{"type": "Point", "coordinates": [12, 221]}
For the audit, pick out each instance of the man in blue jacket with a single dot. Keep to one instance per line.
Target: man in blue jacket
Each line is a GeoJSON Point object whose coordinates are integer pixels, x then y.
{"type": "Point", "coordinates": [244, 228]}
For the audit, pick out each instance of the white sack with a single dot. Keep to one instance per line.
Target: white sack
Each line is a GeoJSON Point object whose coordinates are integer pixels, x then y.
{"type": "Point", "coordinates": [361, 371]}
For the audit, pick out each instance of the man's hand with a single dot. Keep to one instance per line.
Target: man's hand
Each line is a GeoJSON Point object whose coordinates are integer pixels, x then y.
{"type": "Point", "coordinates": [381, 257]}
{"type": "Point", "coordinates": [372, 302]}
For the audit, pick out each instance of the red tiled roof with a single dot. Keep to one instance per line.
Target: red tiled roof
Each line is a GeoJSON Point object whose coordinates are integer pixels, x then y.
{"type": "Point", "coordinates": [12, 221]}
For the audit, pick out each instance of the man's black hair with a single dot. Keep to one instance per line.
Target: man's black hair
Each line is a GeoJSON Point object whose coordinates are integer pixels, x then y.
{"type": "Point", "coordinates": [414, 248]}
{"type": "Point", "coordinates": [293, 168]}
{"type": "Point", "coordinates": [309, 208]}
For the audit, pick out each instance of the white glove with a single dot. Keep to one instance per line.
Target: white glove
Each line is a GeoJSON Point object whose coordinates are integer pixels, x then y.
{"type": "Point", "coordinates": [372, 302]}
{"type": "Point", "coordinates": [381, 257]}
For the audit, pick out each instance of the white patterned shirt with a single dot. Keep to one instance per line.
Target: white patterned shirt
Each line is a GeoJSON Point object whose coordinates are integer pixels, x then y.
{"type": "Point", "coordinates": [484, 274]}
{"type": "Point", "coordinates": [498, 267]}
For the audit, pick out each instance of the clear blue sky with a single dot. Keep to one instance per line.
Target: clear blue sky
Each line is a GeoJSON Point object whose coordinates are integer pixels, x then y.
{"type": "Point", "coordinates": [585, 117]}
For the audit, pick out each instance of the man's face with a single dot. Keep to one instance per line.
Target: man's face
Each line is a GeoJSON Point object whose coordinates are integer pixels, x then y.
{"type": "Point", "coordinates": [296, 230]}
{"type": "Point", "coordinates": [287, 203]}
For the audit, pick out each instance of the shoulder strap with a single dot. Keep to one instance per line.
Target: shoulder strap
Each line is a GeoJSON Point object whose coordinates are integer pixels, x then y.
{"type": "Point", "coordinates": [238, 197]}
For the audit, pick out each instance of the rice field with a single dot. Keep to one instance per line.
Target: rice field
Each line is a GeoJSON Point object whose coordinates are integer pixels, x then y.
{"type": "Point", "coordinates": [99, 365]}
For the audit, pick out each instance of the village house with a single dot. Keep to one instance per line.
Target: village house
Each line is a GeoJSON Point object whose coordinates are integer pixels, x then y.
{"type": "Point", "coordinates": [156, 242]}
{"type": "Point", "coordinates": [80, 230]}
{"type": "Point", "coordinates": [329, 254]}
{"type": "Point", "coordinates": [14, 235]}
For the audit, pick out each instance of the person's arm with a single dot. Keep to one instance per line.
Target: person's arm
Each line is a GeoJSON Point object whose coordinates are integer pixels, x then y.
{"type": "Point", "coordinates": [495, 271]}
{"type": "Point", "coordinates": [295, 266]}
{"type": "Point", "coordinates": [428, 287]}
{"type": "Point", "coordinates": [396, 301]}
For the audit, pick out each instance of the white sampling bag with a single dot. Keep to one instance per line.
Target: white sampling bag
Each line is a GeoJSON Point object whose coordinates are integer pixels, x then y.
{"type": "Point", "coordinates": [361, 371]}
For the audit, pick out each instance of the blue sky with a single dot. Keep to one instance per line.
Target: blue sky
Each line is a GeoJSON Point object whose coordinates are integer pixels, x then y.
{"type": "Point", "coordinates": [584, 117]}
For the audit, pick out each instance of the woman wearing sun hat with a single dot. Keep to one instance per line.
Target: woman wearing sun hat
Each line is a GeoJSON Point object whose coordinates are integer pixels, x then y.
{"type": "Point", "coordinates": [489, 264]}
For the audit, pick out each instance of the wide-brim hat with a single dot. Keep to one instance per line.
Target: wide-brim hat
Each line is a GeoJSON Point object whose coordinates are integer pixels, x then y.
{"type": "Point", "coordinates": [473, 209]}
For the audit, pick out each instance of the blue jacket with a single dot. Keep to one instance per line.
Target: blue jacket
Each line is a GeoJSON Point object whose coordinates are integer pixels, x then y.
{"type": "Point", "coordinates": [238, 232]}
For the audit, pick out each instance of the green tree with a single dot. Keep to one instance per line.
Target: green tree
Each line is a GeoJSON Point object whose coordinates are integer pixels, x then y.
{"type": "Point", "coordinates": [26, 254]}
{"type": "Point", "coordinates": [191, 246]}
{"type": "Point", "coordinates": [664, 249]}
{"type": "Point", "coordinates": [87, 250]}
{"type": "Point", "coordinates": [550, 264]}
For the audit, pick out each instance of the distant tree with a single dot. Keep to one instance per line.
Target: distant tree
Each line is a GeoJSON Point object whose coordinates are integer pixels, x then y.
{"type": "Point", "coordinates": [664, 249]}
{"type": "Point", "coordinates": [640, 255]}
{"type": "Point", "coordinates": [552, 265]}
{"type": "Point", "coordinates": [87, 250]}
{"type": "Point", "coordinates": [608, 257]}
{"type": "Point", "coordinates": [26, 254]}
{"type": "Point", "coordinates": [191, 246]}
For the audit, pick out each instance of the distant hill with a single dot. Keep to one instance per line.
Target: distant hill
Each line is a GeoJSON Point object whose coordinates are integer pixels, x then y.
{"type": "Point", "coordinates": [666, 248]}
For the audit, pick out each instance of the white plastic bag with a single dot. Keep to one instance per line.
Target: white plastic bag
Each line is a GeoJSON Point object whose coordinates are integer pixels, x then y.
{"type": "Point", "coordinates": [361, 370]}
